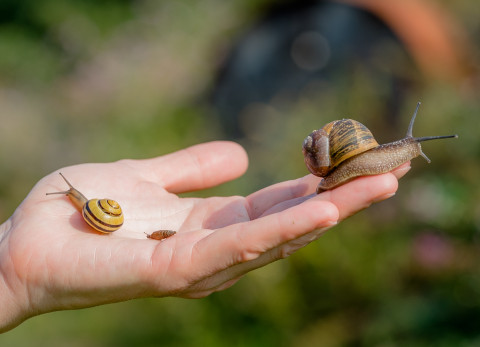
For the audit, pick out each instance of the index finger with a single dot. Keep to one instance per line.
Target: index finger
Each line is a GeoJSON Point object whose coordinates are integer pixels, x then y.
{"type": "Point", "coordinates": [197, 167]}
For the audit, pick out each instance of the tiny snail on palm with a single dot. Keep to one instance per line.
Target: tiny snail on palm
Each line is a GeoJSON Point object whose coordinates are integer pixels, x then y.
{"type": "Point", "coordinates": [345, 149]}
{"type": "Point", "coordinates": [160, 234]}
{"type": "Point", "coordinates": [104, 215]}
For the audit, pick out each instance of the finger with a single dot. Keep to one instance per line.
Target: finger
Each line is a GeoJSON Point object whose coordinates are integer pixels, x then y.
{"type": "Point", "coordinates": [349, 200]}
{"type": "Point", "coordinates": [251, 245]}
{"type": "Point", "coordinates": [245, 242]}
{"type": "Point", "coordinates": [283, 202]}
{"type": "Point", "coordinates": [361, 193]}
{"type": "Point", "coordinates": [281, 196]}
{"type": "Point", "coordinates": [280, 251]}
{"type": "Point", "coordinates": [197, 167]}
{"type": "Point", "coordinates": [263, 200]}
{"type": "Point", "coordinates": [228, 276]}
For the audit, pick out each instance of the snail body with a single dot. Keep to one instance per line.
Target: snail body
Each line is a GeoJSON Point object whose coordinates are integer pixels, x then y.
{"type": "Point", "coordinates": [345, 149]}
{"type": "Point", "coordinates": [104, 215]}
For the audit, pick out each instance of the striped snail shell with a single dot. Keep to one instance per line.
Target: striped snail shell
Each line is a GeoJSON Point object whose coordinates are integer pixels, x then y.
{"type": "Point", "coordinates": [104, 215]}
{"type": "Point", "coordinates": [345, 149]}
{"type": "Point", "coordinates": [325, 148]}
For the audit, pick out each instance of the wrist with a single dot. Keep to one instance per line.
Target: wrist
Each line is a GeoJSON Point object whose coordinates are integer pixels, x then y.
{"type": "Point", "coordinates": [12, 311]}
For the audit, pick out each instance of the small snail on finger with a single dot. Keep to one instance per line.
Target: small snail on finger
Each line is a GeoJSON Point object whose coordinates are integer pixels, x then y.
{"type": "Point", "coordinates": [345, 149]}
{"type": "Point", "coordinates": [104, 215]}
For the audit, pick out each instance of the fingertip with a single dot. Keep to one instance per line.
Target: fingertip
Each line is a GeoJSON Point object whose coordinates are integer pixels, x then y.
{"type": "Point", "coordinates": [387, 187]}
{"type": "Point", "coordinates": [361, 193]}
{"type": "Point", "coordinates": [388, 182]}
{"type": "Point", "coordinates": [200, 166]}
{"type": "Point", "coordinates": [230, 156]}
{"type": "Point", "coordinates": [379, 185]}
{"type": "Point", "coordinates": [321, 213]}
{"type": "Point", "coordinates": [236, 151]}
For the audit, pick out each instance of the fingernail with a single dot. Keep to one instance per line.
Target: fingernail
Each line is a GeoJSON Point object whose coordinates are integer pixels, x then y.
{"type": "Point", "coordinates": [384, 197]}
{"type": "Point", "coordinates": [327, 226]}
{"type": "Point", "coordinates": [314, 235]}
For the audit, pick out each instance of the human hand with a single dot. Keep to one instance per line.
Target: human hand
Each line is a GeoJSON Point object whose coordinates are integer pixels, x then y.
{"type": "Point", "coordinates": [51, 260]}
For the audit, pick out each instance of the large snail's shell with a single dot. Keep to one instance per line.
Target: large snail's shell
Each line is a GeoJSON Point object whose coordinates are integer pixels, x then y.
{"type": "Point", "coordinates": [325, 148]}
{"type": "Point", "coordinates": [347, 138]}
{"type": "Point", "coordinates": [104, 215]}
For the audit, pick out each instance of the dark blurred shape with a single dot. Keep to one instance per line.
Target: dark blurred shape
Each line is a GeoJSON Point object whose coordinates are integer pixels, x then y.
{"type": "Point", "coordinates": [297, 43]}
{"type": "Point", "coordinates": [300, 42]}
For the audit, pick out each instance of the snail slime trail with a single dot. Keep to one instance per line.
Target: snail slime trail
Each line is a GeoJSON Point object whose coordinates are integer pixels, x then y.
{"type": "Point", "coordinates": [345, 149]}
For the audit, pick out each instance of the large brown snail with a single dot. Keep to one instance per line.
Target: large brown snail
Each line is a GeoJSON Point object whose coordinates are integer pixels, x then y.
{"type": "Point", "coordinates": [345, 149]}
{"type": "Point", "coordinates": [104, 215]}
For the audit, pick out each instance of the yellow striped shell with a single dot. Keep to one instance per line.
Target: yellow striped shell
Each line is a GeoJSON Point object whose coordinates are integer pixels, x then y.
{"type": "Point", "coordinates": [104, 215]}
{"type": "Point", "coordinates": [326, 148]}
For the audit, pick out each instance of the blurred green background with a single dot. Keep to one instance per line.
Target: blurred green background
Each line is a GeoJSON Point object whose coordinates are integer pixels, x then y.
{"type": "Point", "coordinates": [87, 81]}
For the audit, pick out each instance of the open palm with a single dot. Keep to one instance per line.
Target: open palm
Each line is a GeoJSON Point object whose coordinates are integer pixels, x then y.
{"type": "Point", "coordinates": [51, 260]}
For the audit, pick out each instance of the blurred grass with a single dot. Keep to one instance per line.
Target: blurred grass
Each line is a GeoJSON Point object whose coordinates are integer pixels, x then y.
{"type": "Point", "coordinates": [82, 81]}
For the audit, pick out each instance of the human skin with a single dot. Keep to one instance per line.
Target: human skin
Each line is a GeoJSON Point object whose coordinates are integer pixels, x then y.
{"type": "Point", "coordinates": [51, 260]}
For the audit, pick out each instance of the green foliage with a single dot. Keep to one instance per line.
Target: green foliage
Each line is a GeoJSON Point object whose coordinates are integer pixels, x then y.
{"type": "Point", "coordinates": [87, 81]}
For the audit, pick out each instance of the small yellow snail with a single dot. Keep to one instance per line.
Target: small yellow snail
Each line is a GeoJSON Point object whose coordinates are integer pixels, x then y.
{"type": "Point", "coordinates": [345, 149]}
{"type": "Point", "coordinates": [104, 215]}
